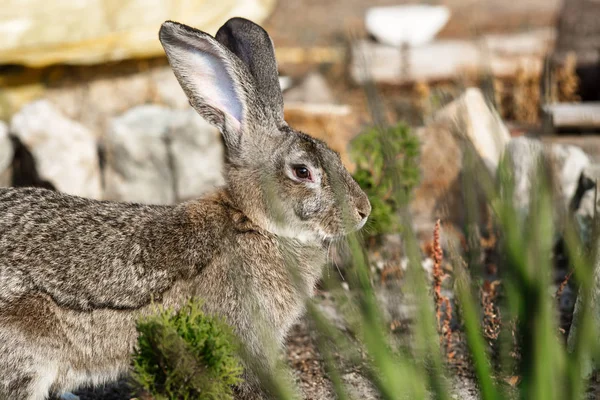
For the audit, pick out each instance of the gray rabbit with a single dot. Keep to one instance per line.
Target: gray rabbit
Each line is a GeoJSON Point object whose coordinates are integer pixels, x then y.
{"type": "Point", "coordinates": [75, 274]}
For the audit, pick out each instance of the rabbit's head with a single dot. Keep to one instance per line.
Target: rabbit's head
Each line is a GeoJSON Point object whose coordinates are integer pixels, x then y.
{"type": "Point", "coordinates": [285, 181]}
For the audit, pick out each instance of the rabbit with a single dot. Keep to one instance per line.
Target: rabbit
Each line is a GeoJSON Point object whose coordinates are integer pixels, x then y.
{"type": "Point", "coordinates": [76, 274]}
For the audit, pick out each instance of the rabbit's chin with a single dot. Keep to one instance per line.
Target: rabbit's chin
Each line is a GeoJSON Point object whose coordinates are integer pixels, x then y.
{"type": "Point", "coordinates": [298, 234]}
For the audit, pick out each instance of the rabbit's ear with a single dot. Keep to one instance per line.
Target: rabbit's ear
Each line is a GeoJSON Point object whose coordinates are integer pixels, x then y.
{"type": "Point", "coordinates": [254, 47]}
{"type": "Point", "coordinates": [217, 84]}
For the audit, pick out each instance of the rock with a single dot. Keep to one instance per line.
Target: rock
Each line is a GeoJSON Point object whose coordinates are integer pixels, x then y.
{"type": "Point", "coordinates": [6, 156]}
{"type": "Point", "coordinates": [413, 25]}
{"type": "Point", "coordinates": [439, 193]}
{"type": "Point", "coordinates": [475, 121]}
{"type": "Point", "coordinates": [524, 154]}
{"type": "Point", "coordinates": [96, 102]}
{"type": "Point", "coordinates": [567, 162]}
{"type": "Point", "coordinates": [138, 166]}
{"type": "Point", "coordinates": [285, 82]}
{"type": "Point", "coordinates": [313, 89]}
{"type": "Point", "coordinates": [467, 122]}
{"type": "Point", "coordinates": [197, 153]}
{"type": "Point", "coordinates": [571, 161]}
{"type": "Point", "coordinates": [157, 155]}
{"type": "Point", "coordinates": [586, 205]}
{"type": "Point", "coordinates": [96, 31]}
{"type": "Point", "coordinates": [65, 152]}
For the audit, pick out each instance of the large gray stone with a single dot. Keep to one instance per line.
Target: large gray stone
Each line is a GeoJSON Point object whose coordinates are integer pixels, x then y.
{"type": "Point", "coordinates": [157, 155]}
{"type": "Point", "coordinates": [197, 153]}
{"type": "Point", "coordinates": [567, 164]}
{"type": "Point", "coordinates": [137, 158]}
{"type": "Point", "coordinates": [65, 151]}
{"type": "Point", "coordinates": [6, 156]}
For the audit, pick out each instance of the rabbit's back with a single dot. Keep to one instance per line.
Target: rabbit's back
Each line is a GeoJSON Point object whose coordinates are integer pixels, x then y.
{"type": "Point", "coordinates": [83, 253]}
{"type": "Point", "coordinates": [75, 274]}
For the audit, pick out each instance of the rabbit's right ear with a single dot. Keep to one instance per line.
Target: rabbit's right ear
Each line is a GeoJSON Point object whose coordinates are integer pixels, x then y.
{"type": "Point", "coordinates": [254, 47]}
{"type": "Point", "coordinates": [217, 84]}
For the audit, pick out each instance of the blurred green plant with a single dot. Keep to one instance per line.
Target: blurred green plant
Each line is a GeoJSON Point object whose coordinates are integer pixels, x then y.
{"type": "Point", "coordinates": [382, 157]}
{"type": "Point", "coordinates": [186, 355]}
{"type": "Point", "coordinates": [536, 362]}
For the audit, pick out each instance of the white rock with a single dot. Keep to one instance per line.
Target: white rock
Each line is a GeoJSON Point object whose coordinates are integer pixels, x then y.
{"type": "Point", "coordinates": [567, 162]}
{"type": "Point", "coordinates": [413, 25]}
{"type": "Point", "coordinates": [473, 119]}
{"type": "Point", "coordinates": [157, 155]}
{"type": "Point", "coordinates": [6, 156]}
{"type": "Point", "coordinates": [587, 206]}
{"type": "Point", "coordinates": [571, 161]}
{"type": "Point", "coordinates": [65, 151]}
{"type": "Point", "coordinates": [285, 82]}
{"type": "Point", "coordinates": [137, 158]}
{"type": "Point", "coordinates": [197, 153]}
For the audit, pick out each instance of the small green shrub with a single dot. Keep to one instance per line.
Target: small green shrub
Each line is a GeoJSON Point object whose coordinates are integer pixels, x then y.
{"type": "Point", "coordinates": [186, 355]}
{"type": "Point", "coordinates": [386, 161]}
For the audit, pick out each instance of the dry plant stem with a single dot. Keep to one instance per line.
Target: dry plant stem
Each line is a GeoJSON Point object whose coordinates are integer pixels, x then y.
{"type": "Point", "coordinates": [443, 309]}
{"type": "Point", "coordinates": [491, 318]}
{"type": "Point", "coordinates": [566, 83]}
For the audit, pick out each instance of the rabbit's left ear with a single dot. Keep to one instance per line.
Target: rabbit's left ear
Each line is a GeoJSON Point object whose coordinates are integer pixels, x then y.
{"type": "Point", "coordinates": [217, 84]}
{"type": "Point", "coordinates": [254, 47]}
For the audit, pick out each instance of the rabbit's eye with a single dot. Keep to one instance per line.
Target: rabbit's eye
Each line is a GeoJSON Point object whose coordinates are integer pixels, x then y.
{"type": "Point", "coordinates": [302, 172]}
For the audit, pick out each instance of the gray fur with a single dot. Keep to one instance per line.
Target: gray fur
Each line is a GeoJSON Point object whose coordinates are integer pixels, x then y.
{"type": "Point", "coordinates": [75, 273]}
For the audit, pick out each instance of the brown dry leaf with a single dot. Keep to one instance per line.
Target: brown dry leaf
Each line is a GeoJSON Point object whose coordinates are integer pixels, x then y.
{"type": "Point", "coordinates": [513, 380]}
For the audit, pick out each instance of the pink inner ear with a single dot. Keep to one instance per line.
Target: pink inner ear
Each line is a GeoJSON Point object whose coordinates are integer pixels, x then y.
{"type": "Point", "coordinates": [210, 80]}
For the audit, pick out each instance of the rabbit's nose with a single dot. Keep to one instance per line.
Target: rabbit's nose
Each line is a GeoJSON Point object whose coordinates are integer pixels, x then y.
{"type": "Point", "coordinates": [363, 207]}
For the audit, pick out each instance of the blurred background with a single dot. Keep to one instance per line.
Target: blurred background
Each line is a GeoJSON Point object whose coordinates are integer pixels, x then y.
{"type": "Point", "coordinates": [89, 106]}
